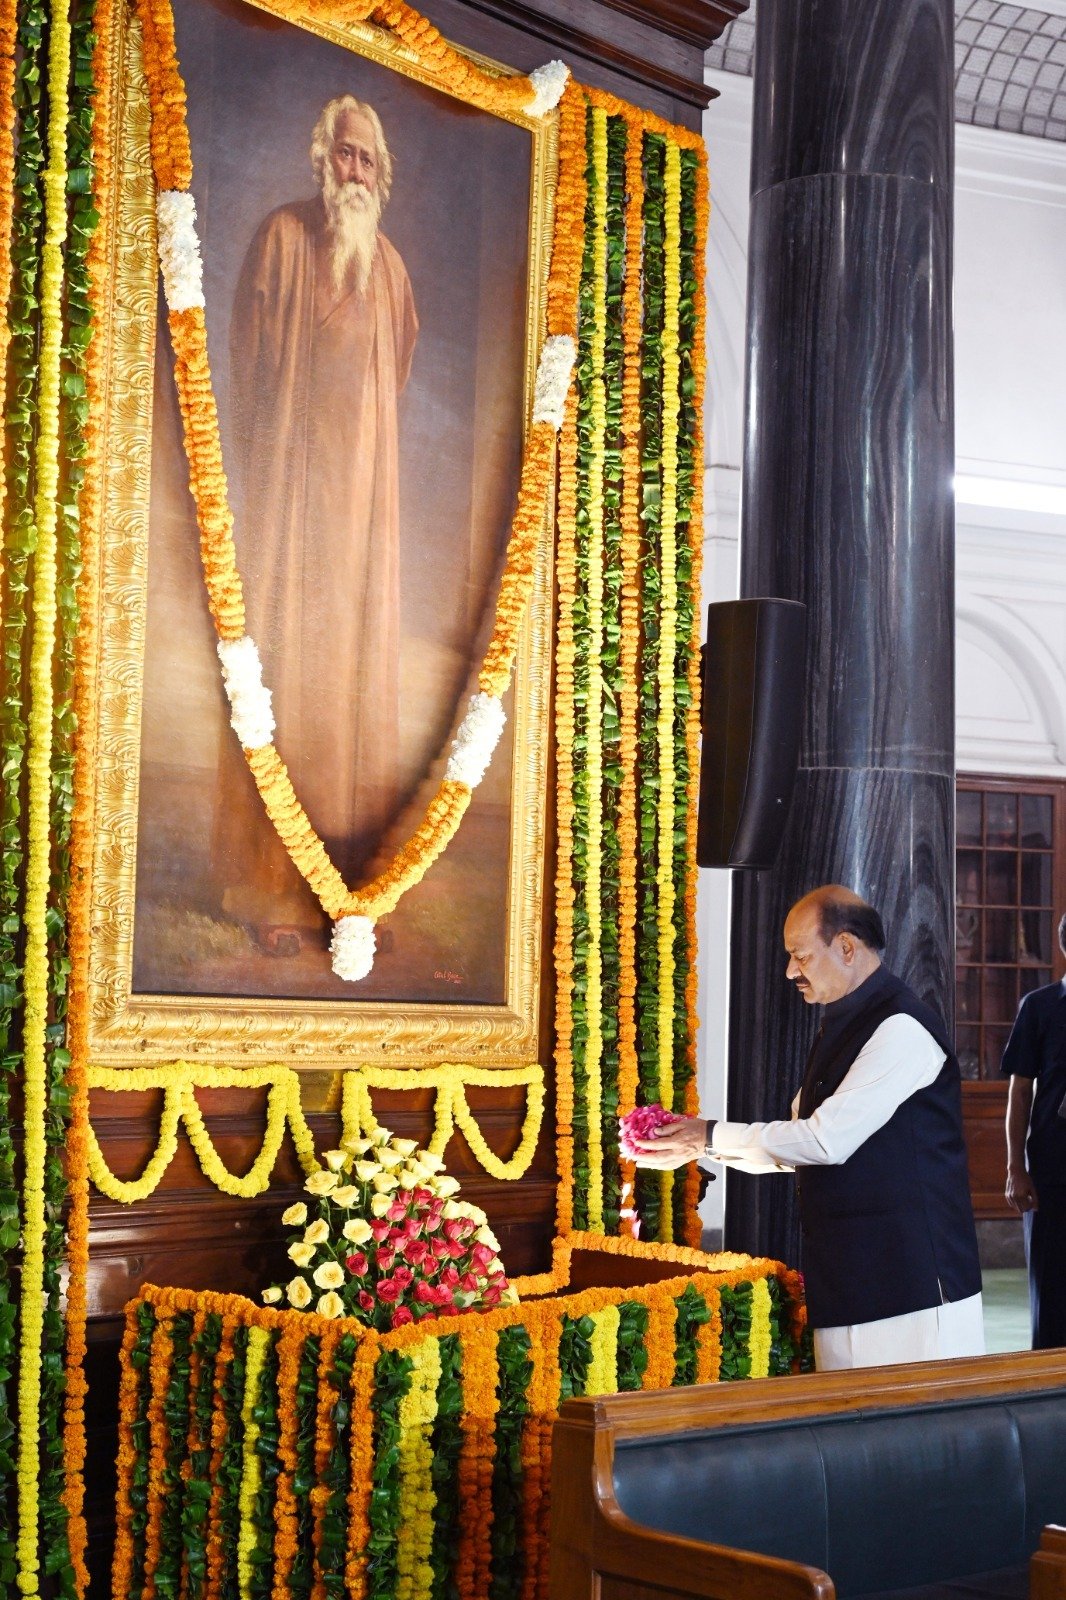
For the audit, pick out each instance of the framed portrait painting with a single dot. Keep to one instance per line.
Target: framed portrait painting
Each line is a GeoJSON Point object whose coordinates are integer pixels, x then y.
{"type": "Point", "coordinates": [375, 254]}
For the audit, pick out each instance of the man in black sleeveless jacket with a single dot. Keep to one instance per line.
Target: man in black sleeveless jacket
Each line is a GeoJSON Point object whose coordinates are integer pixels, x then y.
{"type": "Point", "coordinates": [889, 1244]}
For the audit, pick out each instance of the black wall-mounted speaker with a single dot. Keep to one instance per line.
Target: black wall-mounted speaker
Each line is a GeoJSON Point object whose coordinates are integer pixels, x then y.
{"type": "Point", "coordinates": [753, 677]}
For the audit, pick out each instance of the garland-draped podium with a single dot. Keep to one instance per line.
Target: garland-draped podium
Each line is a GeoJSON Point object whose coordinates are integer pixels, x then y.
{"type": "Point", "coordinates": [626, 285]}
{"type": "Point", "coordinates": [279, 1454]}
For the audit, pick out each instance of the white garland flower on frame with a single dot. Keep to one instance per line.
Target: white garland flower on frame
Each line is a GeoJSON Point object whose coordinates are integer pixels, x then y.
{"type": "Point", "coordinates": [548, 82]}
{"type": "Point", "coordinates": [251, 714]}
{"type": "Point", "coordinates": [353, 947]}
{"type": "Point", "coordinates": [179, 250]}
{"type": "Point", "coordinates": [554, 369]}
{"type": "Point", "coordinates": [476, 738]}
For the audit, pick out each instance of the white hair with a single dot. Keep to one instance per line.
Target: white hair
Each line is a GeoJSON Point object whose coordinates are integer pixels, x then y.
{"type": "Point", "coordinates": [325, 131]}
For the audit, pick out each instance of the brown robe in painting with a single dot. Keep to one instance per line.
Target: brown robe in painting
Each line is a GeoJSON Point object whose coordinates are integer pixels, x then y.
{"type": "Point", "coordinates": [315, 379]}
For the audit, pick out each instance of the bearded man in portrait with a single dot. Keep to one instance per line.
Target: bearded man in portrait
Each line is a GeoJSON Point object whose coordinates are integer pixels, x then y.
{"type": "Point", "coordinates": [322, 336]}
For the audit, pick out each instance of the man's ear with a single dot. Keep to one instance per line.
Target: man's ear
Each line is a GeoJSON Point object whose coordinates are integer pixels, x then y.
{"type": "Point", "coordinates": [847, 948]}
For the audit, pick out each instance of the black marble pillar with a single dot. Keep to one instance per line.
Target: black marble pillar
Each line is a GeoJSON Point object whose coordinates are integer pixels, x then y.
{"type": "Point", "coordinates": [848, 507]}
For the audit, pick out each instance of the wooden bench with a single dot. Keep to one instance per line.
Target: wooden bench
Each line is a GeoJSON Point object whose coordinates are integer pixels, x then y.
{"type": "Point", "coordinates": [932, 1481]}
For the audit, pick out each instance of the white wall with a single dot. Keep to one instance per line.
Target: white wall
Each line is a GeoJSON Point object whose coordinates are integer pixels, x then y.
{"type": "Point", "coordinates": [1010, 355]}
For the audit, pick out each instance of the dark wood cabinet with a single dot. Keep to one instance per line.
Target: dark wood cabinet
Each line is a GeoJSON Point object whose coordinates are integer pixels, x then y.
{"type": "Point", "coordinates": [1010, 891]}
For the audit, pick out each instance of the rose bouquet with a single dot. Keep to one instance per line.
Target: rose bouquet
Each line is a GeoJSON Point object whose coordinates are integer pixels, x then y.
{"type": "Point", "coordinates": [384, 1239]}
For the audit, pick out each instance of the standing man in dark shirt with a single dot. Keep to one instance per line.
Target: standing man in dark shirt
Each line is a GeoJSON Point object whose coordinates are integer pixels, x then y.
{"type": "Point", "coordinates": [1035, 1062]}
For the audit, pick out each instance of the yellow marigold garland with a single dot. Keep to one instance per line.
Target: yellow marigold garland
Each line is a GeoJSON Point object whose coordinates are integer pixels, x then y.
{"type": "Point", "coordinates": [603, 1367]}
{"type": "Point", "coordinates": [698, 365]}
{"type": "Point", "coordinates": [180, 1080]}
{"type": "Point", "coordinates": [570, 212]}
{"type": "Point", "coordinates": [629, 643]}
{"type": "Point", "coordinates": [38, 765]}
{"type": "Point", "coordinates": [668, 646]}
{"type": "Point", "coordinates": [594, 706]}
{"type": "Point", "coordinates": [8, 35]}
{"type": "Point", "coordinates": [418, 1410]}
{"type": "Point", "coordinates": [760, 1340]}
{"type": "Point", "coordinates": [251, 1471]}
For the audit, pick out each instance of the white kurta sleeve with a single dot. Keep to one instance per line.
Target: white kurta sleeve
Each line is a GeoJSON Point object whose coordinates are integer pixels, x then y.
{"type": "Point", "coordinates": [898, 1059]}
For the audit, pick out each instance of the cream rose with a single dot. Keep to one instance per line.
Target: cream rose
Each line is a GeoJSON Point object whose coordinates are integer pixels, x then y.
{"type": "Point", "coordinates": [357, 1229]}
{"type": "Point", "coordinates": [367, 1171]}
{"type": "Point", "coordinates": [347, 1195]}
{"type": "Point", "coordinates": [295, 1216]}
{"type": "Point", "coordinates": [385, 1182]}
{"type": "Point", "coordinates": [379, 1204]}
{"type": "Point", "coordinates": [330, 1305]}
{"type": "Point", "coordinates": [357, 1147]}
{"type": "Point", "coordinates": [317, 1233]}
{"type": "Point", "coordinates": [302, 1253]}
{"type": "Point", "coordinates": [406, 1147]}
{"type": "Point", "coordinates": [298, 1293]}
{"type": "Point", "coordinates": [335, 1159]}
{"type": "Point", "coordinates": [271, 1296]}
{"type": "Point", "coordinates": [330, 1275]}
{"type": "Point", "coordinates": [388, 1157]}
{"type": "Point", "coordinates": [407, 1179]}
{"type": "Point", "coordinates": [446, 1186]}
{"type": "Point", "coordinates": [321, 1183]}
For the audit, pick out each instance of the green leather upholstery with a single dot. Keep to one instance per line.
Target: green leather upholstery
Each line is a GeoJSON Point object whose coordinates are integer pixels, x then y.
{"type": "Point", "coordinates": [884, 1501]}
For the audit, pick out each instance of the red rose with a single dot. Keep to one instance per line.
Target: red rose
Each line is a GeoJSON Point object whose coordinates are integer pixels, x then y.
{"type": "Point", "coordinates": [366, 1300]}
{"type": "Point", "coordinates": [441, 1247]}
{"type": "Point", "coordinates": [468, 1281]}
{"type": "Point", "coordinates": [384, 1259]}
{"type": "Point", "coordinates": [356, 1264]}
{"type": "Point", "coordinates": [425, 1294]}
{"type": "Point", "coordinates": [449, 1276]}
{"type": "Point", "coordinates": [415, 1251]}
{"type": "Point", "coordinates": [380, 1229]}
{"type": "Point", "coordinates": [443, 1296]}
{"type": "Point", "coordinates": [457, 1250]}
{"type": "Point", "coordinates": [431, 1223]}
{"type": "Point", "coordinates": [493, 1295]}
{"type": "Point", "coordinates": [403, 1276]}
{"type": "Point", "coordinates": [401, 1316]}
{"type": "Point", "coordinates": [481, 1255]}
{"type": "Point", "coordinates": [423, 1197]}
{"type": "Point", "coordinates": [452, 1228]}
{"type": "Point", "coordinates": [388, 1290]}
{"type": "Point", "coordinates": [397, 1211]}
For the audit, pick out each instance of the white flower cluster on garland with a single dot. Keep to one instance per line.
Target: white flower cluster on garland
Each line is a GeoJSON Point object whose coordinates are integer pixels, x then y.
{"type": "Point", "coordinates": [553, 379]}
{"type": "Point", "coordinates": [548, 82]}
{"type": "Point", "coordinates": [179, 249]}
{"type": "Point", "coordinates": [475, 740]}
{"type": "Point", "coordinates": [249, 698]}
{"type": "Point", "coordinates": [352, 947]}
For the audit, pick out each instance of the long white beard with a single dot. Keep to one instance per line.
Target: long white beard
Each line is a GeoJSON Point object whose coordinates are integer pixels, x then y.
{"type": "Point", "coordinates": [352, 217]}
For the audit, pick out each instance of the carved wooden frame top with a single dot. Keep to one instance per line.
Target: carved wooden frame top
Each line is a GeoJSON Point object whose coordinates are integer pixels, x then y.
{"type": "Point", "coordinates": [127, 1027]}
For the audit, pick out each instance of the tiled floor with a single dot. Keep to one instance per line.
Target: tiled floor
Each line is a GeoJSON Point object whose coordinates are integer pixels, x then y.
{"type": "Point", "coordinates": [1006, 1306]}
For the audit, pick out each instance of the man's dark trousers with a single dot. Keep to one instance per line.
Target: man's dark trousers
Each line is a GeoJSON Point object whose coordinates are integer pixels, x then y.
{"type": "Point", "coordinates": [1045, 1255]}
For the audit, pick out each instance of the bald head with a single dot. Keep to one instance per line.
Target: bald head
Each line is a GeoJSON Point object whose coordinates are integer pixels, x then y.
{"type": "Point", "coordinates": [834, 939]}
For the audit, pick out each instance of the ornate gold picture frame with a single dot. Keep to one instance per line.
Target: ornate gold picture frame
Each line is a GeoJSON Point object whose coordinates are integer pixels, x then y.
{"type": "Point", "coordinates": [184, 959]}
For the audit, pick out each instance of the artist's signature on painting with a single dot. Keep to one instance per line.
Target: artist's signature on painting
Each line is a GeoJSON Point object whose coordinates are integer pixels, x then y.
{"type": "Point", "coordinates": [443, 975]}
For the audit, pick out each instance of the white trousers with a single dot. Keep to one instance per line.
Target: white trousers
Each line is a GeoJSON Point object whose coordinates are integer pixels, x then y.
{"type": "Point", "coordinates": [930, 1335]}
